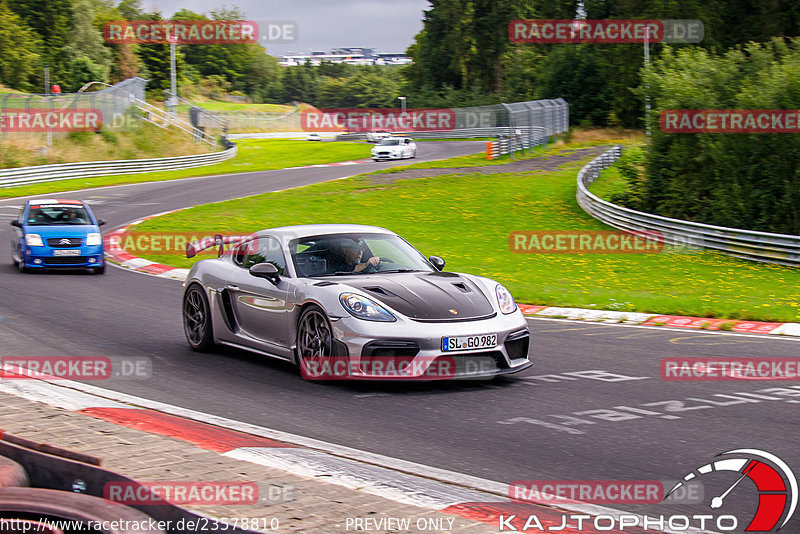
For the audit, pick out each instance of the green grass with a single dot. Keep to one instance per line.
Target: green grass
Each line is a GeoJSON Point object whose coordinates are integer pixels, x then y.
{"type": "Point", "coordinates": [467, 220]}
{"type": "Point", "coordinates": [216, 105]}
{"type": "Point", "coordinates": [254, 155]}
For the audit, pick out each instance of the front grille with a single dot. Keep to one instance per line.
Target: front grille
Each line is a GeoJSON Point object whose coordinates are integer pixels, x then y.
{"type": "Point", "coordinates": [65, 260]}
{"type": "Point", "coordinates": [476, 362]}
{"type": "Point", "coordinates": [517, 345]}
{"type": "Point", "coordinates": [390, 349]}
{"type": "Point", "coordinates": [65, 242]}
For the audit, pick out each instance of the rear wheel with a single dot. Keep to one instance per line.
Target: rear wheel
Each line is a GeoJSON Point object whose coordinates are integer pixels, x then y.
{"type": "Point", "coordinates": [197, 319]}
{"type": "Point", "coordinates": [314, 342]}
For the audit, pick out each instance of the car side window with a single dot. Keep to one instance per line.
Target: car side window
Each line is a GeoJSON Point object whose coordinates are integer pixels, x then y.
{"type": "Point", "coordinates": [261, 250]}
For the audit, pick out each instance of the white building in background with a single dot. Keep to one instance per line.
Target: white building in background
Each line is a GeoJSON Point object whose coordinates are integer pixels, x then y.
{"type": "Point", "coordinates": [351, 56]}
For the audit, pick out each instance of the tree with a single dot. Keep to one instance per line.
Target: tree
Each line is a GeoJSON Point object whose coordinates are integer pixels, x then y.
{"type": "Point", "coordinates": [19, 47]}
{"type": "Point", "coordinates": [88, 59]}
{"type": "Point", "coordinates": [744, 180]}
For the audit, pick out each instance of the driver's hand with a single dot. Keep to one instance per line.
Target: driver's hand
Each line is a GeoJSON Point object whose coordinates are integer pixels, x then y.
{"type": "Point", "coordinates": [374, 261]}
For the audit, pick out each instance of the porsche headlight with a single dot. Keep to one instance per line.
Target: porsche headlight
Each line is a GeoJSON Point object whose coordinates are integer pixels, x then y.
{"type": "Point", "coordinates": [364, 308]}
{"type": "Point", "coordinates": [505, 300]}
{"type": "Point", "coordinates": [93, 239]}
{"type": "Point", "coordinates": [33, 240]}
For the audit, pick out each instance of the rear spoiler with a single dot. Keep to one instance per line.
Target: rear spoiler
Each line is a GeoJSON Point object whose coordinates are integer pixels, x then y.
{"type": "Point", "coordinates": [195, 247]}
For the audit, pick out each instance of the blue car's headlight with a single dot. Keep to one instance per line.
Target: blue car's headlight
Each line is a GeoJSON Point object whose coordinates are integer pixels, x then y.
{"type": "Point", "coordinates": [93, 239]}
{"type": "Point", "coordinates": [364, 308]}
{"type": "Point", "coordinates": [505, 300]}
{"type": "Point", "coordinates": [33, 240]}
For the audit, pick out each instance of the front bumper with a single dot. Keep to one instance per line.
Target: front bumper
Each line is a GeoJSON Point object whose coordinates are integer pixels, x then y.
{"type": "Point", "coordinates": [391, 155]}
{"type": "Point", "coordinates": [412, 350]}
{"type": "Point", "coordinates": [45, 258]}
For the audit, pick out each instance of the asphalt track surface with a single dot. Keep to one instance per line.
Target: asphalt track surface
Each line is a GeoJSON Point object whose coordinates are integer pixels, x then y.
{"type": "Point", "coordinates": [630, 425]}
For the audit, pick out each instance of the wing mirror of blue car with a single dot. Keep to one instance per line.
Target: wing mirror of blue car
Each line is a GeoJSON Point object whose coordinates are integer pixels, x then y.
{"type": "Point", "coordinates": [266, 270]}
{"type": "Point", "coordinates": [16, 223]}
{"type": "Point", "coordinates": [437, 262]}
{"type": "Point", "coordinates": [100, 222]}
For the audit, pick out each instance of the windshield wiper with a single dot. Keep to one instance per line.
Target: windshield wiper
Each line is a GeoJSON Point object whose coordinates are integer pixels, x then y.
{"type": "Point", "coordinates": [400, 271]}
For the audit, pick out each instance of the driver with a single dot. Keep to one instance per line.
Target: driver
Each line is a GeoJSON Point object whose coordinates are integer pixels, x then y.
{"type": "Point", "coordinates": [350, 258]}
{"type": "Point", "coordinates": [71, 216]}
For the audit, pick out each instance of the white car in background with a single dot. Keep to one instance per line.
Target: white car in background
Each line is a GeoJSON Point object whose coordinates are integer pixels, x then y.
{"type": "Point", "coordinates": [394, 148]}
{"type": "Point", "coordinates": [374, 137]}
{"type": "Point", "coordinates": [313, 136]}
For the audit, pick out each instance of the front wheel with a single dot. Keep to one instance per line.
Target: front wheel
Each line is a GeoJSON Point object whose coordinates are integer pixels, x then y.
{"type": "Point", "coordinates": [314, 342]}
{"type": "Point", "coordinates": [197, 319]}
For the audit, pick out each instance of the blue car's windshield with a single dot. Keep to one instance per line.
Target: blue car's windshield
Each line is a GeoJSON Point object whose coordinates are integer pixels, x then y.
{"type": "Point", "coordinates": [47, 215]}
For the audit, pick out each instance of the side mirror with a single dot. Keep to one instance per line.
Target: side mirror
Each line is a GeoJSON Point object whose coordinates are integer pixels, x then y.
{"type": "Point", "coordinates": [266, 270]}
{"type": "Point", "coordinates": [437, 262]}
{"type": "Point", "coordinates": [100, 222]}
{"type": "Point", "coordinates": [16, 223]}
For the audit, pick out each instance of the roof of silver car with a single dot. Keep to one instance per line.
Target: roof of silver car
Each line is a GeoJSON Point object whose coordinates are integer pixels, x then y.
{"type": "Point", "coordinates": [306, 230]}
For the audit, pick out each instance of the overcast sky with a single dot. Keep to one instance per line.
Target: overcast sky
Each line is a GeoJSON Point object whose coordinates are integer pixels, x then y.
{"type": "Point", "coordinates": [387, 25]}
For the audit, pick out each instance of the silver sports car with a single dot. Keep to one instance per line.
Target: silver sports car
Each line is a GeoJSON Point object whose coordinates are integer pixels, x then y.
{"type": "Point", "coordinates": [353, 302]}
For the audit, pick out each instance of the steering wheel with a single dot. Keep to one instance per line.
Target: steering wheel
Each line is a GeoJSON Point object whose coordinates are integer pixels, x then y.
{"type": "Point", "coordinates": [372, 268]}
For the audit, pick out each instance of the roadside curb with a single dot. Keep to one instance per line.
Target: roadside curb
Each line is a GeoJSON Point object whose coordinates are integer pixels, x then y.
{"type": "Point", "coordinates": [114, 252]}
{"type": "Point", "coordinates": [420, 490]}
{"type": "Point", "coordinates": [653, 319]}
{"type": "Point", "coordinates": [119, 255]}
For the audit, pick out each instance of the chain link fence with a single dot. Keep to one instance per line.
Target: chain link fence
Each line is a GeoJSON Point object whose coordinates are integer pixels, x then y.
{"type": "Point", "coordinates": [36, 115]}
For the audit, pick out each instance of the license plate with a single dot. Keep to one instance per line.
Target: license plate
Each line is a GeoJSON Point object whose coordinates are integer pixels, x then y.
{"type": "Point", "coordinates": [67, 252]}
{"type": "Point", "coordinates": [457, 343]}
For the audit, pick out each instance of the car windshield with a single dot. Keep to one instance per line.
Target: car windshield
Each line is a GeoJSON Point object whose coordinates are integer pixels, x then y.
{"type": "Point", "coordinates": [47, 215]}
{"type": "Point", "coordinates": [336, 254]}
{"type": "Point", "coordinates": [387, 142]}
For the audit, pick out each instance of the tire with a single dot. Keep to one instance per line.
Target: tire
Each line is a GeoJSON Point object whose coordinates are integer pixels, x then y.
{"type": "Point", "coordinates": [314, 341]}
{"type": "Point", "coordinates": [21, 267]}
{"type": "Point", "coordinates": [197, 319]}
{"type": "Point", "coordinates": [99, 270]}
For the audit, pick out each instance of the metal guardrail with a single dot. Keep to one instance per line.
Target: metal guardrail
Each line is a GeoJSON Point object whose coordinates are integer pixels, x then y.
{"type": "Point", "coordinates": [64, 171]}
{"type": "Point", "coordinates": [782, 249]}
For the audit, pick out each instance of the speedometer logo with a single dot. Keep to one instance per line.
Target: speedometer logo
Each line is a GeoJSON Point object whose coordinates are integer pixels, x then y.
{"type": "Point", "coordinates": [777, 485]}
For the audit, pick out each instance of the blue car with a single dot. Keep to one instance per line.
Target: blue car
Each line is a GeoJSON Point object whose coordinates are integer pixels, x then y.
{"type": "Point", "coordinates": [57, 234]}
